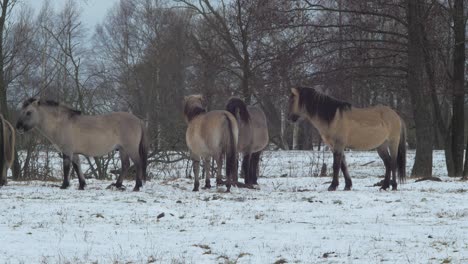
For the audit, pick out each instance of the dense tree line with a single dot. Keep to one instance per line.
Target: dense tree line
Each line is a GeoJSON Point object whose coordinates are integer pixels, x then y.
{"type": "Point", "coordinates": [147, 54]}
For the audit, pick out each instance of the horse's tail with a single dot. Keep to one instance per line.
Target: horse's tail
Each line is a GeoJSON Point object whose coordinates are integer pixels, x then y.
{"type": "Point", "coordinates": [231, 150]}
{"type": "Point", "coordinates": [401, 156]}
{"type": "Point", "coordinates": [235, 104]}
{"type": "Point", "coordinates": [143, 151]}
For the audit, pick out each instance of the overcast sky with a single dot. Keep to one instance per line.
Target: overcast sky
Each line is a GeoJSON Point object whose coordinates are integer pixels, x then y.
{"type": "Point", "coordinates": [93, 13]}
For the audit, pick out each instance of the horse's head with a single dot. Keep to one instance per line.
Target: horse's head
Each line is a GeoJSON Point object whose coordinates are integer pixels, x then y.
{"type": "Point", "coordinates": [29, 115]}
{"type": "Point", "coordinates": [193, 106]}
{"type": "Point", "coordinates": [294, 108]}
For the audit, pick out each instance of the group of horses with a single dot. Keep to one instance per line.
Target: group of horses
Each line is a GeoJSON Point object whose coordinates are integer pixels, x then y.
{"type": "Point", "coordinates": [218, 134]}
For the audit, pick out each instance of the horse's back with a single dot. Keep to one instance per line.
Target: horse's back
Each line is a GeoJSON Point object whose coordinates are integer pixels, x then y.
{"type": "Point", "coordinates": [207, 132]}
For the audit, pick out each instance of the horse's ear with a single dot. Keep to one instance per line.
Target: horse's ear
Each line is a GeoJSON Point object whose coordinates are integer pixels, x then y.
{"type": "Point", "coordinates": [295, 91]}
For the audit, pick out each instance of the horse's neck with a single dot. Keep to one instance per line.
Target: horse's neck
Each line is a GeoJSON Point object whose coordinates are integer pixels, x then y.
{"type": "Point", "coordinates": [319, 124]}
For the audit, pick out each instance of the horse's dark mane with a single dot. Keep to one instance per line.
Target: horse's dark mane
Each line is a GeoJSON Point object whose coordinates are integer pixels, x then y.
{"type": "Point", "coordinates": [236, 103]}
{"type": "Point", "coordinates": [192, 111]}
{"type": "Point", "coordinates": [52, 103]}
{"type": "Point", "coordinates": [321, 105]}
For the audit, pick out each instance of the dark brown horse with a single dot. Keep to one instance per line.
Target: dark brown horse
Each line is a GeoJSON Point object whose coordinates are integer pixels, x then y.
{"type": "Point", "coordinates": [344, 126]}
{"type": "Point", "coordinates": [7, 148]}
{"type": "Point", "coordinates": [91, 135]}
{"type": "Point", "coordinates": [253, 136]}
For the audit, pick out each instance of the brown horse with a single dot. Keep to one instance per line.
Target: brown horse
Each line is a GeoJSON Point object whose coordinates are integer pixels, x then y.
{"type": "Point", "coordinates": [211, 134]}
{"type": "Point", "coordinates": [7, 148]}
{"type": "Point", "coordinates": [73, 133]}
{"type": "Point", "coordinates": [253, 136]}
{"type": "Point", "coordinates": [342, 125]}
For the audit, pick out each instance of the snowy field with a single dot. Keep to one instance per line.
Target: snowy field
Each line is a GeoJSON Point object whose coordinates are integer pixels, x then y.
{"type": "Point", "coordinates": [291, 218]}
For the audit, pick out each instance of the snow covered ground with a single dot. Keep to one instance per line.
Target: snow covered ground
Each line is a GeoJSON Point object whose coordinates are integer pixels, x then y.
{"type": "Point", "coordinates": [291, 218]}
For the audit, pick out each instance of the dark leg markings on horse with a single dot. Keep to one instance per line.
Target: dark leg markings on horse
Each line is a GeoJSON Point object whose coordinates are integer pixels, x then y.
{"type": "Point", "coordinates": [337, 156]}
{"type": "Point", "coordinates": [385, 156]}
{"type": "Point", "coordinates": [66, 171]}
{"type": "Point", "coordinates": [245, 170]}
{"type": "Point", "coordinates": [207, 168]}
{"type": "Point", "coordinates": [219, 168]}
{"type": "Point", "coordinates": [255, 162]}
{"type": "Point", "coordinates": [344, 169]}
{"type": "Point", "coordinates": [139, 176]}
{"type": "Point", "coordinates": [79, 173]}
{"type": "Point", "coordinates": [196, 171]}
{"type": "Point", "coordinates": [393, 164]}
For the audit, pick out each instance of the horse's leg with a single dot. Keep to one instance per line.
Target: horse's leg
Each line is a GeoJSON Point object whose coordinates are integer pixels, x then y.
{"type": "Point", "coordinates": [219, 168]}
{"type": "Point", "coordinates": [196, 171]}
{"type": "Point", "coordinates": [77, 168]}
{"type": "Point", "coordinates": [207, 168]}
{"type": "Point", "coordinates": [3, 177]}
{"type": "Point", "coordinates": [245, 170]}
{"type": "Point", "coordinates": [383, 153]}
{"type": "Point", "coordinates": [337, 156]}
{"type": "Point", "coordinates": [125, 163]}
{"type": "Point", "coordinates": [139, 176]}
{"type": "Point", "coordinates": [135, 157]}
{"type": "Point", "coordinates": [66, 171]}
{"type": "Point", "coordinates": [344, 169]}
{"type": "Point", "coordinates": [254, 166]}
{"type": "Point", "coordinates": [393, 164]}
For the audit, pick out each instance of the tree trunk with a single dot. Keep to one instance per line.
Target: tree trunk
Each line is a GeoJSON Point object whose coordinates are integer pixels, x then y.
{"type": "Point", "coordinates": [3, 87]}
{"type": "Point", "coordinates": [422, 108]}
{"type": "Point", "coordinates": [295, 136]}
{"type": "Point", "coordinates": [458, 119]}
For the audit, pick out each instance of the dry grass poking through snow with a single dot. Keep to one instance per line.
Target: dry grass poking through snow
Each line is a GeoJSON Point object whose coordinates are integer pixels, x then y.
{"type": "Point", "coordinates": [290, 219]}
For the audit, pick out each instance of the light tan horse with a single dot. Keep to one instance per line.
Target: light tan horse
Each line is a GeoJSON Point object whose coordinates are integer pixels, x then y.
{"type": "Point", "coordinates": [344, 126]}
{"type": "Point", "coordinates": [73, 133]}
{"type": "Point", "coordinates": [7, 148]}
{"type": "Point", "coordinates": [253, 136]}
{"type": "Point", "coordinates": [211, 134]}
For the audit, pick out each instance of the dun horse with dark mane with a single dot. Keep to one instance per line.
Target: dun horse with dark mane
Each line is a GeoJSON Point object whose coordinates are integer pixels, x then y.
{"type": "Point", "coordinates": [73, 133]}
{"type": "Point", "coordinates": [7, 148]}
{"type": "Point", "coordinates": [211, 134]}
{"type": "Point", "coordinates": [344, 126]}
{"type": "Point", "coordinates": [253, 136]}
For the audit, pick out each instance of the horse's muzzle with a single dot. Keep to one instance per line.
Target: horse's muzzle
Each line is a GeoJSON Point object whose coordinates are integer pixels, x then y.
{"type": "Point", "coordinates": [21, 128]}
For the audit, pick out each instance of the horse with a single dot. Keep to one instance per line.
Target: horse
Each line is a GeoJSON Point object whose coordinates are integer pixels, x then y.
{"type": "Point", "coordinates": [343, 126]}
{"type": "Point", "coordinates": [209, 135]}
{"type": "Point", "coordinates": [253, 136]}
{"type": "Point", "coordinates": [73, 133]}
{"type": "Point", "coordinates": [7, 148]}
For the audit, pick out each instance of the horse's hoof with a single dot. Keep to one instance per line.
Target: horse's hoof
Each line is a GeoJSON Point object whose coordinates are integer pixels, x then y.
{"type": "Point", "coordinates": [81, 188]}
{"type": "Point", "coordinates": [195, 190]}
{"type": "Point", "coordinates": [394, 188]}
{"type": "Point", "coordinates": [136, 189]}
{"type": "Point", "coordinates": [347, 188]}
{"type": "Point", "coordinates": [207, 187]}
{"type": "Point", "coordinates": [384, 188]}
{"type": "Point", "coordinates": [332, 188]}
{"type": "Point", "coordinates": [63, 187]}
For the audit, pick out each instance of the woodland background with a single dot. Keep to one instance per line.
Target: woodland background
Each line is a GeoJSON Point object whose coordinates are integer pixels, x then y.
{"type": "Point", "coordinates": [147, 54]}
